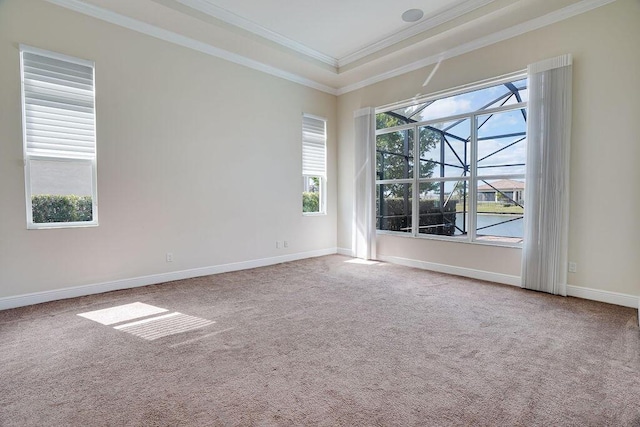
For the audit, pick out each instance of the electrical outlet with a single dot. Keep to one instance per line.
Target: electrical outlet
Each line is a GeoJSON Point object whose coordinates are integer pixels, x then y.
{"type": "Point", "coordinates": [286, 244]}
{"type": "Point", "coordinates": [169, 257]}
{"type": "Point", "coordinates": [573, 267]}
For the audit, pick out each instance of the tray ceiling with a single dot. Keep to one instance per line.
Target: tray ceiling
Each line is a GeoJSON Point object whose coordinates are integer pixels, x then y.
{"type": "Point", "coordinates": [332, 45]}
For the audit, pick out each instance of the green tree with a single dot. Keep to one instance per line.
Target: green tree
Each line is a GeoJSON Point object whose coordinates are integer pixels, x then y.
{"type": "Point", "coordinates": [395, 157]}
{"type": "Point", "coordinates": [311, 198]}
{"type": "Point", "coordinates": [55, 208]}
{"type": "Point", "coordinates": [310, 202]}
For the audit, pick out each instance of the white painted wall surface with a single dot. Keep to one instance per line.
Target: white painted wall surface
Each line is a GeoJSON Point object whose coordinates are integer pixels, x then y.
{"type": "Point", "coordinates": [196, 156]}
{"type": "Point", "coordinates": [605, 199]}
{"type": "Point", "coordinates": [201, 157]}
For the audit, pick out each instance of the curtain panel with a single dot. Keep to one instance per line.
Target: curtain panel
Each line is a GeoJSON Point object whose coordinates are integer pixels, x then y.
{"type": "Point", "coordinates": [546, 221]}
{"type": "Point", "coordinates": [364, 221]}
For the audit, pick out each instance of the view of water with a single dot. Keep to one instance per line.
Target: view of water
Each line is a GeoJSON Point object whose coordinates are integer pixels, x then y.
{"type": "Point", "coordinates": [508, 229]}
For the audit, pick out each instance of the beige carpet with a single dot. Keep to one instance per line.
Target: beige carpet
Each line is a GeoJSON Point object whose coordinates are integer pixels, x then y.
{"type": "Point", "coordinates": [321, 342]}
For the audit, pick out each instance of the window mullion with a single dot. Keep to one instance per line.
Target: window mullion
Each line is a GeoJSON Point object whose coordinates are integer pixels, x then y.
{"type": "Point", "coordinates": [415, 206]}
{"type": "Point", "coordinates": [473, 181]}
{"type": "Point", "coordinates": [27, 175]}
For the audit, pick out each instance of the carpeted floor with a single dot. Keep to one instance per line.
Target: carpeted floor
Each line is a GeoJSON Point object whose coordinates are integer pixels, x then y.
{"type": "Point", "coordinates": [325, 342]}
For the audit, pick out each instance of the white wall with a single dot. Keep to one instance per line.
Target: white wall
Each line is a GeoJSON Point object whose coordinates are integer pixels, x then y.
{"type": "Point", "coordinates": [196, 156]}
{"type": "Point", "coordinates": [605, 197]}
{"type": "Point", "coordinates": [201, 157]}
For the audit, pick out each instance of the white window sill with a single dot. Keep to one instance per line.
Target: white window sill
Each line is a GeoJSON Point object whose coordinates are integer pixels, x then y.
{"type": "Point", "coordinates": [54, 225]}
{"type": "Point", "coordinates": [505, 242]}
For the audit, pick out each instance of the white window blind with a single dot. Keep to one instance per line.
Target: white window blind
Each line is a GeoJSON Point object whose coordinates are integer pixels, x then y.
{"type": "Point", "coordinates": [59, 139]}
{"type": "Point", "coordinates": [59, 106]}
{"type": "Point", "coordinates": [313, 146]}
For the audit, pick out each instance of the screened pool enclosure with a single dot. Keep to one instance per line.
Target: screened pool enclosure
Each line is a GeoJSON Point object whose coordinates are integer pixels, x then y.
{"type": "Point", "coordinates": [453, 166]}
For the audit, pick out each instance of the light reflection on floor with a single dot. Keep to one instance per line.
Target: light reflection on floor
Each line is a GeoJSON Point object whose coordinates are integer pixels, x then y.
{"type": "Point", "coordinates": [121, 313]}
{"type": "Point", "coordinates": [362, 261]}
{"type": "Point", "coordinates": [162, 326]}
{"type": "Point", "coordinates": [149, 328]}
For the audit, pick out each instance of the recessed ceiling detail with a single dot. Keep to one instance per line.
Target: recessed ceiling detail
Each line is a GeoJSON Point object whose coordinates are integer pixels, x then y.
{"type": "Point", "coordinates": [333, 31]}
{"type": "Point", "coordinates": [333, 46]}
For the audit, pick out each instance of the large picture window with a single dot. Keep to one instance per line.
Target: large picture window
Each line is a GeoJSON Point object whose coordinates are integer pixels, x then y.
{"type": "Point", "coordinates": [58, 106]}
{"type": "Point", "coordinates": [453, 166]}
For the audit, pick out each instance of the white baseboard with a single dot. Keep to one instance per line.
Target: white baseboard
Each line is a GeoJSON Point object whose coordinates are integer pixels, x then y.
{"type": "Point", "coordinates": [450, 269]}
{"type": "Point", "coordinates": [615, 298]}
{"type": "Point", "coordinates": [79, 291]}
{"type": "Point", "coordinates": [346, 251]}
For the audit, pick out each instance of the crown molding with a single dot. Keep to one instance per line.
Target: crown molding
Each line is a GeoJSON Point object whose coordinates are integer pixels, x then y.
{"type": "Point", "coordinates": [525, 27]}
{"type": "Point", "coordinates": [171, 37]}
{"type": "Point", "coordinates": [231, 18]}
{"type": "Point", "coordinates": [180, 40]}
{"type": "Point", "coordinates": [420, 27]}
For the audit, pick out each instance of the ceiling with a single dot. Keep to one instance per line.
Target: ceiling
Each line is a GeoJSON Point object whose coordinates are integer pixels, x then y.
{"type": "Point", "coordinates": [335, 29]}
{"type": "Point", "coordinates": [332, 45]}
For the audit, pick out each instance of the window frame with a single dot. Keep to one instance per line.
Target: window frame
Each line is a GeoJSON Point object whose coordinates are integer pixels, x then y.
{"type": "Point", "coordinates": [322, 178]}
{"type": "Point", "coordinates": [29, 157]}
{"type": "Point", "coordinates": [472, 178]}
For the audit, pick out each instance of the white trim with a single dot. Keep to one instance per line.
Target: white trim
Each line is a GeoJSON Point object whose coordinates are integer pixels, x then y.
{"type": "Point", "coordinates": [615, 298]}
{"type": "Point", "coordinates": [6, 303]}
{"type": "Point", "coordinates": [346, 252]}
{"type": "Point", "coordinates": [180, 40]}
{"type": "Point", "coordinates": [171, 37]}
{"type": "Point", "coordinates": [455, 12]}
{"type": "Point", "coordinates": [314, 214]}
{"type": "Point", "coordinates": [53, 155]}
{"type": "Point", "coordinates": [454, 270]}
{"type": "Point", "coordinates": [313, 116]}
{"type": "Point", "coordinates": [56, 55]}
{"type": "Point", "coordinates": [458, 90]}
{"type": "Point", "coordinates": [608, 297]}
{"type": "Point", "coordinates": [508, 33]}
{"type": "Point", "coordinates": [469, 115]}
{"type": "Point", "coordinates": [231, 18]}
{"type": "Point", "coordinates": [83, 290]}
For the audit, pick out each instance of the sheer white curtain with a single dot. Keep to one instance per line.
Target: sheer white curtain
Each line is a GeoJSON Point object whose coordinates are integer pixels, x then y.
{"type": "Point", "coordinates": [364, 221]}
{"type": "Point", "coordinates": [546, 222]}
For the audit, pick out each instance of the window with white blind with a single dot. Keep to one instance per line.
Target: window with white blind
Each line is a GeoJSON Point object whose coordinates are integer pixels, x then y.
{"type": "Point", "coordinates": [58, 115]}
{"type": "Point", "coordinates": [314, 164]}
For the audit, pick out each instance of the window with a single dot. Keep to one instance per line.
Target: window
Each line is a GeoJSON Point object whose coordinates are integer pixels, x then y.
{"type": "Point", "coordinates": [314, 164]}
{"type": "Point", "coordinates": [58, 111]}
{"type": "Point", "coordinates": [453, 166]}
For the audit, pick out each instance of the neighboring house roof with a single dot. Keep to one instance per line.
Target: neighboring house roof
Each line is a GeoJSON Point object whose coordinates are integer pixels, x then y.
{"type": "Point", "coordinates": [503, 184]}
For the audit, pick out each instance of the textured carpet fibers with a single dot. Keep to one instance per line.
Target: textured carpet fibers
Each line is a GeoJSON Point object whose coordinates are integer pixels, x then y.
{"type": "Point", "coordinates": [321, 341]}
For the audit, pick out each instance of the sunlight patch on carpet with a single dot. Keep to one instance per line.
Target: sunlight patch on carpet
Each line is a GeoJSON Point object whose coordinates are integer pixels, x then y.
{"type": "Point", "coordinates": [149, 328]}
{"type": "Point", "coordinates": [122, 313]}
{"type": "Point", "coordinates": [162, 326]}
{"type": "Point", "coordinates": [361, 261]}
